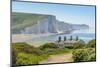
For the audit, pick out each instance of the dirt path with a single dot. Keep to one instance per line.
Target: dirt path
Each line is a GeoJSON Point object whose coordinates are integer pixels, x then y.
{"type": "Point", "coordinates": [58, 58]}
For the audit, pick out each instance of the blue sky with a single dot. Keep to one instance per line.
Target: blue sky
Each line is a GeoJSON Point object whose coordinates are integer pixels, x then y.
{"type": "Point", "coordinates": [68, 13]}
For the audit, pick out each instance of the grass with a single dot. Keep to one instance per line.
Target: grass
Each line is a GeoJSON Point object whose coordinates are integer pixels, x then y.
{"type": "Point", "coordinates": [81, 55]}
{"type": "Point", "coordinates": [25, 58]}
{"type": "Point", "coordinates": [57, 51]}
{"type": "Point", "coordinates": [25, 54]}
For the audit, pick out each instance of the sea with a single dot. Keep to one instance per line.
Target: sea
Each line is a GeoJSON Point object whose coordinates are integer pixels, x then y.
{"type": "Point", "coordinates": [84, 35]}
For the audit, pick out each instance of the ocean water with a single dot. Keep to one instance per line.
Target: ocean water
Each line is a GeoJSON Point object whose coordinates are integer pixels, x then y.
{"type": "Point", "coordinates": [37, 39]}
{"type": "Point", "coordinates": [86, 37]}
{"type": "Point", "coordinates": [82, 36]}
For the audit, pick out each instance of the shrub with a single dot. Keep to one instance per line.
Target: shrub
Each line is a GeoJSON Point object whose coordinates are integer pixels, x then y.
{"type": "Point", "coordinates": [79, 55]}
{"type": "Point", "coordinates": [84, 55]}
{"type": "Point", "coordinates": [26, 59]}
{"type": "Point", "coordinates": [14, 59]}
{"type": "Point", "coordinates": [92, 43]}
{"type": "Point", "coordinates": [69, 47]}
{"type": "Point", "coordinates": [22, 53]}
{"type": "Point", "coordinates": [48, 45]}
{"type": "Point", "coordinates": [24, 47]}
{"type": "Point", "coordinates": [92, 57]}
{"type": "Point", "coordinates": [78, 45]}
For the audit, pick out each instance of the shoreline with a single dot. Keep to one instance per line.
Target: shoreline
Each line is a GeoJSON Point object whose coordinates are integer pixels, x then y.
{"type": "Point", "coordinates": [39, 39]}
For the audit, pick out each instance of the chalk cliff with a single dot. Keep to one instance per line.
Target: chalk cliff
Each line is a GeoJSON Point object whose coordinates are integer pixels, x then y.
{"type": "Point", "coordinates": [27, 23]}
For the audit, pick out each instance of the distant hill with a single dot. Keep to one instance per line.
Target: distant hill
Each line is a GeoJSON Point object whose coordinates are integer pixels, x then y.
{"type": "Point", "coordinates": [28, 23]}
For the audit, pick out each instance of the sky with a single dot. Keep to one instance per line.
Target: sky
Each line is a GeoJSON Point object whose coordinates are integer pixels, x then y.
{"type": "Point", "coordinates": [74, 14]}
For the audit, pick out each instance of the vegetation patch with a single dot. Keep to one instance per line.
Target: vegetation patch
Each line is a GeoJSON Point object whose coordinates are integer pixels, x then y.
{"type": "Point", "coordinates": [81, 55]}
{"type": "Point", "coordinates": [25, 54]}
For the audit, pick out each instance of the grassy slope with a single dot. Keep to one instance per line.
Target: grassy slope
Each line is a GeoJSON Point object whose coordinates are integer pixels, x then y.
{"type": "Point", "coordinates": [22, 51]}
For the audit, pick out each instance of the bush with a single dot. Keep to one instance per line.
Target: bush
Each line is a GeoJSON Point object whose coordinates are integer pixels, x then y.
{"type": "Point", "coordinates": [26, 59]}
{"type": "Point", "coordinates": [79, 55]}
{"type": "Point", "coordinates": [48, 45]}
{"type": "Point", "coordinates": [24, 47]}
{"type": "Point", "coordinates": [92, 57]}
{"type": "Point", "coordinates": [14, 59]}
{"type": "Point", "coordinates": [69, 47]}
{"type": "Point", "coordinates": [84, 55]}
{"type": "Point", "coordinates": [92, 43]}
{"type": "Point", "coordinates": [22, 54]}
{"type": "Point", "coordinates": [78, 45]}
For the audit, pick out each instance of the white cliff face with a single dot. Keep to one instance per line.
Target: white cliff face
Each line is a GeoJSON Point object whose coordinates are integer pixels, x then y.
{"type": "Point", "coordinates": [49, 24]}
{"type": "Point", "coordinates": [40, 27]}
{"type": "Point", "coordinates": [63, 27]}
{"type": "Point", "coordinates": [52, 24]}
{"type": "Point", "coordinates": [80, 26]}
